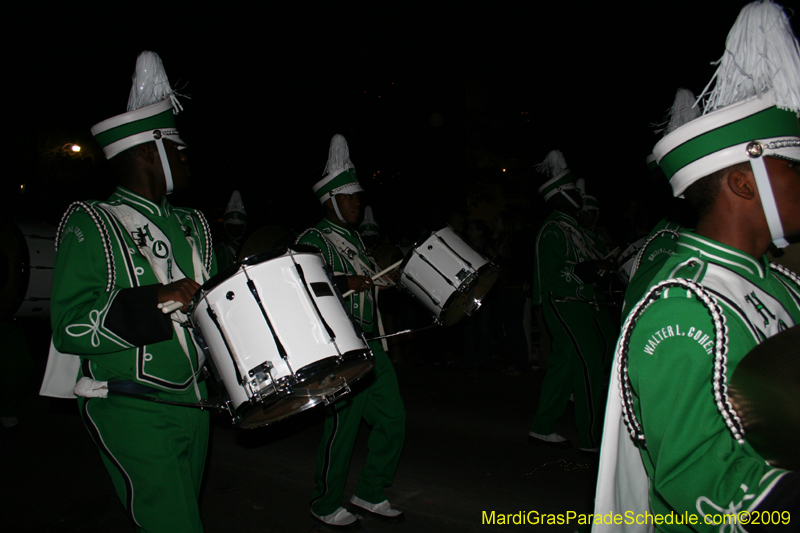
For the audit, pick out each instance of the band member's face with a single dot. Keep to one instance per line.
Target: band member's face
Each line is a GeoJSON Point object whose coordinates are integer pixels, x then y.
{"type": "Point", "coordinates": [349, 207]}
{"type": "Point", "coordinates": [784, 175]}
{"type": "Point", "coordinates": [178, 163]}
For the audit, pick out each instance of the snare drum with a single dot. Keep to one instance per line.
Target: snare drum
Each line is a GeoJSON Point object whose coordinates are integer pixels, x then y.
{"type": "Point", "coordinates": [27, 256]}
{"type": "Point", "coordinates": [448, 276]}
{"type": "Point", "coordinates": [279, 338]}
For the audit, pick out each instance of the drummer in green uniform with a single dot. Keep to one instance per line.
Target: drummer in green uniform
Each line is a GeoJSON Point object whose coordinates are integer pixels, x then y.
{"type": "Point", "coordinates": [379, 404]}
{"type": "Point", "coordinates": [673, 443]}
{"type": "Point", "coordinates": [123, 268]}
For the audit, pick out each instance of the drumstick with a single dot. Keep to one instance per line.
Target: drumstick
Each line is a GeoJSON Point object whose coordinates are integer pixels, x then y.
{"type": "Point", "coordinates": [376, 276]}
{"type": "Point", "coordinates": [169, 306]}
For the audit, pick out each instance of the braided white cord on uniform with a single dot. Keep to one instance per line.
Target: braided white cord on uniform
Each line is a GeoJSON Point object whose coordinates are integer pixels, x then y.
{"type": "Point", "coordinates": [719, 379]}
{"type": "Point", "coordinates": [786, 272]}
{"type": "Point", "coordinates": [207, 234]}
{"type": "Point", "coordinates": [315, 230]}
{"type": "Point", "coordinates": [638, 262]}
{"type": "Point", "coordinates": [101, 228]}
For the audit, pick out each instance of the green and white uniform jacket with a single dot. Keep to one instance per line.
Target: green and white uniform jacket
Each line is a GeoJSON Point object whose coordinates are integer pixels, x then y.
{"type": "Point", "coordinates": [673, 382]}
{"type": "Point", "coordinates": [660, 244]}
{"type": "Point", "coordinates": [560, 246]}
{"type": "Point", "coordinates": [104, 300]}
{"type": "Point", "coordinates": [344, 251]}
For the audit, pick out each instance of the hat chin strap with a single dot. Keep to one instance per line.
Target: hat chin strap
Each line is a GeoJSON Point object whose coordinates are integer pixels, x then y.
{"type": "Point", "coordinates": [336, 208]}
{"type": "Point", "coordinates": [570, 200]}
{"type": "Point", "coordinates": [768, 202]}
{"type": "Point", "coordinates": [162, 152]}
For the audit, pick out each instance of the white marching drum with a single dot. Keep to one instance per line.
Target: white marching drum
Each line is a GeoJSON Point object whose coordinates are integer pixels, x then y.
{"type": "Point", "coordinates": [278, 336]}
{"type": "Point", "coordinates": [448, 276]}
{"type": "Point", "coordinates": [27, 256]}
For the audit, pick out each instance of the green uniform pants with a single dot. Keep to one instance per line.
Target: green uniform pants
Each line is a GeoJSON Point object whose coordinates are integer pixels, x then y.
{"type": "Point", "coordinates": [155, 454]}
{"type": "Point", "coordinates": [380, 405]}
{"type": "Point", "coordinates": [574, 366]}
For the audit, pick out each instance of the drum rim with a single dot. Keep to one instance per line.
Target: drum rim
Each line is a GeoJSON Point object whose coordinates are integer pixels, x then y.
{"type": "Point", "coordinates": [458, 292]}
{"type": "Point", "coordinates": [419, 243]}
{"type": "Point", "coordinates": [255, 259]}
{"type": "Point", "coordinates": [351, 356]}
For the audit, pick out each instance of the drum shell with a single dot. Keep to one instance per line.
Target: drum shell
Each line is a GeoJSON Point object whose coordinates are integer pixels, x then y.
{"type": "Point", "coordinates": [440, 268]}
{"type": "Point", "coordinates": [248, 344]}
{"type": "Point", "coordinates": [28, 255]}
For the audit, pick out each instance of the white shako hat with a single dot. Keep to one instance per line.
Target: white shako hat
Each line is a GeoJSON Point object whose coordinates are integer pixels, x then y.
{"type": "Point", "coordinates": [152, 106]}
{"type": "Point", "coordinates": [685, 108]}
{"type": "Point", "coordinates": [555, 167]}
{"type": "Point", "coordinates": [368, 226]}
{"type": "Point", "coordinates": [339, 176]}
{"type": "Point", "coordinates": [589, 202]}
{"type": "Point", "coordinates": [235, 212]}
{"type": "Point", "coordinates": [752, 111]}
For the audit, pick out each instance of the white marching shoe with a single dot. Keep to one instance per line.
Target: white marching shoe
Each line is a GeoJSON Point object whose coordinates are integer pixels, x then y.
{"type": "Point", "coordinates": [340, 517]}
{"type": "Point", "coordinates": [383, 509]}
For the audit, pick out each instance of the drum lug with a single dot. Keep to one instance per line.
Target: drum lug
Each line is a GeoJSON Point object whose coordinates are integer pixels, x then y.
{"type": "Point", "coordinates": [260, 378]}
{"type": "Point", "coordinates": [328, 399]}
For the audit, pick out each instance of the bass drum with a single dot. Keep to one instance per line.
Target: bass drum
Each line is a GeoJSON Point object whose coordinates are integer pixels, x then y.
{"type": "Point", "coordinates": [27, 256]}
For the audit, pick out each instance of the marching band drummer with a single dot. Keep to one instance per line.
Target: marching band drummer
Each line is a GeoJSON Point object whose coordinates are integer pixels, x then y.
{"type": "Point", "coordinates": [673, 444]}
{"type": "Point", "coordinates": [563, 286]}
{"type": "Point", "coordinates": [379, 404]}
{"type": "Point", "coordinates": [118, 262]}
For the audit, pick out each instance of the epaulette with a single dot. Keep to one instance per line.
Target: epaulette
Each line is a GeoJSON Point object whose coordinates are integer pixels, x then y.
{"type": "Point", "coordinates": [104, 238]}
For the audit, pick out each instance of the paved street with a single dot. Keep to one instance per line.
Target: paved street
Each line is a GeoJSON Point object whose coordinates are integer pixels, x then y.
{"type": "Point", "coordinates": [465, 454]}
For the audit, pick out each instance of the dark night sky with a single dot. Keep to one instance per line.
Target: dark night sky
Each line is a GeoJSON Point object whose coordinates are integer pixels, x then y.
{"type": "Point", "coordinates": [431, 98]}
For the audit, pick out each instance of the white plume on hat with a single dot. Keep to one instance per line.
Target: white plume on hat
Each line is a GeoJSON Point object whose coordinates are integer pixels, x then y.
{"type": "Point", "coordinates": [338, 156]}
{"type": "Point", "coordinates": [553, 165]}
{"type": "Point", "coordinates": [235, 212]}
{"type": "Point", "coordinates": [150, 83]}
{"type": "Point", "coordinates": [580, 183]}
{"type": "Point", "coordinates": [685, 108]}
{"type": "Point", "coordinates": [761, 54]}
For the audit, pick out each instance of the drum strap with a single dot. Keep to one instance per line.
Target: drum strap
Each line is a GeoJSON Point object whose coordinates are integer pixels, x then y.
{"type": "Point", "coordinates": [129, 218]}
{"type": "Point", "coordinates": [349, 250]}
{"type": "Point", "coordinates": [577, 240]}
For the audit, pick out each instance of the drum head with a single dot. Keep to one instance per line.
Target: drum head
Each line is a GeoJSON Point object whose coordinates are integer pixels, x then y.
{"type": "Point", "coordinates": [321, 380]}
{"type": "Point", "coordinates": [465, 303]}
{"type": "Point", "coordinates": [266, 238]}
{"type": "Point", "coordinates": [764, 390]}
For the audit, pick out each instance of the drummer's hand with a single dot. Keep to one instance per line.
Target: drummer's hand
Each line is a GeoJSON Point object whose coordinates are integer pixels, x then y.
{"type": "Point", "coordinates": [178, 291]}
{"type": "Point", "coordinates": [390, 279]}
{"type": "Point", "coordinates": [359, 283]}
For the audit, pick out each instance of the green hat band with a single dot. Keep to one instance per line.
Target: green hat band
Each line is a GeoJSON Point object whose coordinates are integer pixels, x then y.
{"type": "Point", "coordinates": [560, 183]}
{"type": "Point", "coordinates": [234, 216]}
{"type": "Point", "coordinates": [342, 183]}
{"type": "Point", "coordinates": [123, 131]}
{"type": "Point", "coordinates": [718, 140]}
{"type": "Point", "coordinates": [590, 202]}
